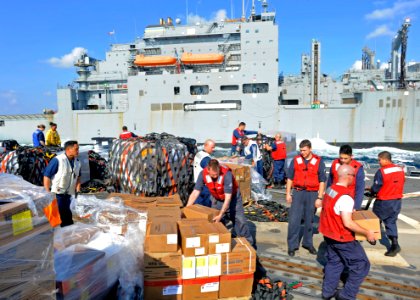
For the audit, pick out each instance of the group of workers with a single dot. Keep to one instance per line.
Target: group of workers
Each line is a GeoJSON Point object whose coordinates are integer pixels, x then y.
{"type": "Point", "coordinates": [308, 187]}
{"type": "Point", "coordinates": [53, 138]}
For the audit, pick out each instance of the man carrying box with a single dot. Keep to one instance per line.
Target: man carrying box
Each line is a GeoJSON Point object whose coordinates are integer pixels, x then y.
{"type": "Point", "coordinates": [338, 228]}
{"type": "Point", "coordinates": [388, 184]}
{"type": "Point", "coordinates": [225, 196]}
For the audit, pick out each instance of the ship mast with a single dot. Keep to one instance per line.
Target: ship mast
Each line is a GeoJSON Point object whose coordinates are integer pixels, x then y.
{"type": "Point", "coordinates": [399, 40]}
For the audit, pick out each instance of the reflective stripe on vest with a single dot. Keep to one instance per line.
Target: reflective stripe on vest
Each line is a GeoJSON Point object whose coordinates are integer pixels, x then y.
{"type": "Point", "coordinates": [216, 188]}
{"type": "Point", "coordinates": [306, 175]}
{"type": "Point", "coordinates": [393, 183]}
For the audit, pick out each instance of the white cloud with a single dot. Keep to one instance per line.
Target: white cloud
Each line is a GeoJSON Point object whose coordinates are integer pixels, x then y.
{"type": "Point", "coordinates": [383, 66]}
{"type": "Point", "coordinates": [48, 93]}
{"type": "Point", "coordinates": [357, 65]}
{"type": "Point", "coordinates": [67, 60]}
{"type": "Point", "coordinates": [216, 17]}
{"type": "Point", "coordinates": [399, 8]}
{"type": "Point", "coordinates": [9, 96]}
{"type": "Point", "coordinates": [382, 30]}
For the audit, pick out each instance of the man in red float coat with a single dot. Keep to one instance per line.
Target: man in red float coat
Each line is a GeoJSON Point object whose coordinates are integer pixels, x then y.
{"type": "Point", "coordinates": [306, 175]}
{"type": "Point", "coordinates": [357, 187]}
{"type": "Point", "coordinates": [126, 134]}
{"type": "Point", "coordinates": [343, 250]}
{"type": "Point", "coordinates": [388, 185]}
{"type": "Point", "coordinates": [279, 154]}
{"type": "Point", "coordinates": [225, 196]}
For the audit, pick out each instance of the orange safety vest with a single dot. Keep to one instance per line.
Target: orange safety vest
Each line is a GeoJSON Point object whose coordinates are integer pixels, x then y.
{"type": "Point", "coordinates": [334, 167]}
{"type": "Point", "coordinates": [393, 178]}
{"type": "Point", "coordinates": [306, 175]}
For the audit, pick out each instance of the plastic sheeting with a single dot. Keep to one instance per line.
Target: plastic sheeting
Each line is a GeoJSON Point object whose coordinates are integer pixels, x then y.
{"type": "Point", "coordinates": [26, 241]}
{"type": "Point", "coordinates": [110, 232]}
{"type": "Point", "coordinates": [258, 187]}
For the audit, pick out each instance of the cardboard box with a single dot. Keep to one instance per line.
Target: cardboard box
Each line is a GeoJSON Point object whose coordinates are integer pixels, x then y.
{"type": "Point", "coordinates": [15, 218]}
{"type": "Point", "coordinates": [220, 238]}
{"type": "Point", "coordinates": [201, 212]}
{"type": "Point", "coordinates": [192, 222]}
{"type": "Point", "coordinates": [240, 172]}
{"type": "Point", "coordinates": [201, 288]}
{"type": "Point", "coordinates": [173, 200]}
{"type": "Point", "coordinates": [201, 266]}
{"type": "Point", "coordinates": [194, 240]}
{"type": "Point", "coordinates": [161, 236]}
{"type": "Point", "coordinates": [170, 213]}
{"type": "Point", "coordinates": [166, 265]}
{"type": "Point", "coordinates": [241, 260]}
{"type": "Point", "coordinates": [238, 285]}
{"type": "Point", "coordinates": [368, 220]}
{"type": "Point", "coordinates": [136, 202]}
{"type": "Point", "coordinates": [163, 289]}
{"type": "Point", "coordinates": [188, 267]}
{"type": "Point", "coordinates": [215, 265]}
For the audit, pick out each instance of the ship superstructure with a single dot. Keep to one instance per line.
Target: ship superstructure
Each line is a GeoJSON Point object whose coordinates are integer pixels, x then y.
{"type": "Point", "coordinates": [201, 80]}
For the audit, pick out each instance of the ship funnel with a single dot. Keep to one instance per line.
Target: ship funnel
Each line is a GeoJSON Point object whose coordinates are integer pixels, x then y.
{"type": "Point", "coordinates": [169, 21]}
{"type": "Point", "coordinates": [161, 21]}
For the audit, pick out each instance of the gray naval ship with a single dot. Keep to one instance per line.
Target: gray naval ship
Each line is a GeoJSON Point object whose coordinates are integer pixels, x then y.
{"type": "Point", "coordinates": [201, 80]}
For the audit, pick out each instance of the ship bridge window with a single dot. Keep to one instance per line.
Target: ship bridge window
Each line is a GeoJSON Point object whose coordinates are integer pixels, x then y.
{"type": "Point", "coordinates": [229, 87]}
{"type": "Point", "coordinates": [2, 123]}
{"type": "Point", "coordinates": [176, 90]}
{"type": "Point", "coordinates": [255, 88]}
{"type": "Point", "coordinates": [417, 102]}
{"type": "Point", "coordinates": [394, 102]}
{"type": "Point", "coordinates": [381, 102]}
{"type": "Point", "coordinates": [289, 102]}
{"type": "Point", "coordinates": [199, 90]}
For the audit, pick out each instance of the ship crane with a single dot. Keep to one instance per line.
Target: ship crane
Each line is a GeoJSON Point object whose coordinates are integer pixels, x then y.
{"type": "Point", "coordinates": [399, 40]}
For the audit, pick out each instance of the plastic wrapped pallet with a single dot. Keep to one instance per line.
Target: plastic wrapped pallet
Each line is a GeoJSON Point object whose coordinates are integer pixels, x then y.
{"type": "Point", "coordinates": [26, 241]}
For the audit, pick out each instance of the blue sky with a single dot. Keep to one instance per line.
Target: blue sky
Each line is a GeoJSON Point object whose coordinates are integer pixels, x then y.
{"type": "Point", "coordinates": [39, 39]}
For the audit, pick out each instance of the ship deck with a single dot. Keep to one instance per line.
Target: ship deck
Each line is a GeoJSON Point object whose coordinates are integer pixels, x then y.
{"type": "Point", "coordinates": [389, 278]}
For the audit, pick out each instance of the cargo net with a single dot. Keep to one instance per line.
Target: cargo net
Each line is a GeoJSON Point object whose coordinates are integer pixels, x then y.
{"type": "Point", "coordinates": [28, 162]}
{"type": "Point", "coordinates": [155, 165]}
{"type": "Point", "coordinates": [100, 178]}
{"type": "Point", "coordinates": [268, 163]}
{"type": "Point", "coordinates": [267, 211]}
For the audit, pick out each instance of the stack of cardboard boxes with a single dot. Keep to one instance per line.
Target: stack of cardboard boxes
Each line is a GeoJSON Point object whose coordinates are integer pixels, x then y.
{"type": "Point", "coordinates": [193, 258]}
{"type": "Point", "coordinates": [242, 174]}
{"type": "Point", "coordinates": [26, 253]}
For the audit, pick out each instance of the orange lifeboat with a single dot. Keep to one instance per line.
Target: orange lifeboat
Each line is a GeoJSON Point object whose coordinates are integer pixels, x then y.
{"type": "Point", "coordinates": [154, 61]}
{"type": "Point", "coordinates": [196, 59]}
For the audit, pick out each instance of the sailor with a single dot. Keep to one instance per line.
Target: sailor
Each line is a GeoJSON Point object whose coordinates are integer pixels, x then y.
{"type": "Point", "coordinates": [338, 228]}
{"type": "Point", "coordinates": [357, 187]}
{"type": "Point", "coordinates": [237, 135]}
{"type": "Point", "coordinates": [306, 175]}
{"type": "Point", "coordinates": [62, 177]}
{"type": "Point", "coordinates": [38, 137]}
{"type": "Point", "coordinates": [53, 138]}
{"type": "Point", "coordinates": [225, 196]}
{"type": "Point", "coordinates": [201, 160]}
{"type": "Point", "coordinates": [278, 154]}
{"type": "Point", "coordinates": [251, 151]}
{"type": "Point", "coordinates": [126, 134]}
{"type": "Point", "coordinates": [388, 185]}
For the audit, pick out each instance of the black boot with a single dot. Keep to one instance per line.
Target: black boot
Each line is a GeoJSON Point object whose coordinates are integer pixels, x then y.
{"type": "Point", "coordinates": [395, 248]}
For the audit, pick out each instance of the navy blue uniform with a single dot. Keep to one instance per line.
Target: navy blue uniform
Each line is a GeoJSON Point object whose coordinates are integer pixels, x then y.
{"type": "Point", "coordinates": [386, 210]}
{"type": "Point", "coordinates": [204, 197]}
{"type": "Point", "coordinates": [302, 208]}
{"type": "Point", "coordinates": [235, 212]}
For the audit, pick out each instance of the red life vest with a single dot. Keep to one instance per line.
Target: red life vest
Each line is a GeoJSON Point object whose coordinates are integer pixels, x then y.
{"type": "Point", "coordinates": [306, 175]}
{"type": "Point", "coordinates": [353, 163]}
{"type": "Point", "coordinates": [330, 224]}
{"type": "Point", "coordinates": [234, 139]}
{"type": "Point", "coordinates": [393, 178]}
{"type": "Point", "coordinates": [280, 152]}
{"type": "Point", "coordinates": [126, 135]}
{"type": "Point", "coordinates": [216, 188]}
